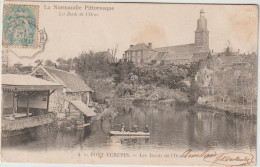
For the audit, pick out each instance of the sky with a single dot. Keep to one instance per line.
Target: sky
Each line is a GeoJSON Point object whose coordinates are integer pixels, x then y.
{"type": "Point", "coordinates": [131, 23]}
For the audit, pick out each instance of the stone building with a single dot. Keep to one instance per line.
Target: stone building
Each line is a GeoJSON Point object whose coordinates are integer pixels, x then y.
{"type": "Point", "coordinates": [180, 54]}
{"type": "Point", "coordinates": [140, 53]}
{"type": "Point", "coordinates": [75, 92]}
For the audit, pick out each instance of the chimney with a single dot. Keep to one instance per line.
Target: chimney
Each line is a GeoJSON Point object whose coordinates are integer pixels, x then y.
{"type": "Point", "coordinates": [212, 51]}
{"type": "Point", "coordinates": [238, 51]}
{"type": "Point", "coordinates": [131, 46]}
{"type": "Point", "coordinates": [150, 46]}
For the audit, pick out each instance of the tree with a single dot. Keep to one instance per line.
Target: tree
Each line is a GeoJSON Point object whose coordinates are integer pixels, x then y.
{"type": "Point", "coordinates": [228, 49]}
{"type": "Point", "coordinates": [18, 65]}
{"type": "Point", "coordinates": [95, 65]}
{"type": "Point", "coordinates": [49, 63]}
{"type": "Point", "coordinates": [38, 62]}
{"type": "Point", "coordinates": [224, 86]}
{"type": "Point", "coordinates": [194, 92]}
{"type": "Point", "coordinates": [62, 64]}
{"type": "Point", "coordinates": [114, 52]}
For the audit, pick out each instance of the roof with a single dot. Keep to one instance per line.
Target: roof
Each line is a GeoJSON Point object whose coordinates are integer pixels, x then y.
{"type": "Point", "coordinates": [71, 81]}
{"type": "Point", "coordinates": [199, 56]}
{"type": "Point", "coordinates": [139, 46]}
{"type": "Point", "coordinates": [27, 83]}
{"type": "Point", "coordinates": [82, 107]}
{"type": "Point", "coordinates": [181, 52]}
{"type": "Point", "coordinates": [229, 60]}
{"type": "Point", "coordinates": [160, 55]}
{"type": "Point", "coordinates": [103, 53]}
{"type": "Point", "coordinates": [188, 48]}
{"type": "Point", "coordinates": [11, 70]}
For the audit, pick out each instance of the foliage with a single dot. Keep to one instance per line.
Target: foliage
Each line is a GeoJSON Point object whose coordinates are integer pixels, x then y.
{"type": "Point", "coordinates": [103, 87]}
{"type": "Point", "coordinates": [164, 75]}
{"type": "Point", "coordinates": [64, 64]}
{"type": "Point", "coordinates": [194, 92]}
{"type": "Point", "coordinates": [89, 64]}
{"type": "Point", "coordinates": [49, 63]}
{"type": "Point", "coordinates": [121, 71]}
{"type": "Point", "coordinates": [38, 62]}
{"type": "Point", "coordinates": [24, 69]}
{"type": "Point", "coordinates": [124, 90]}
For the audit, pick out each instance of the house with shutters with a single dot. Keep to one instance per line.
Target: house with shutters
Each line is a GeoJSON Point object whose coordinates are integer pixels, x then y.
{"type": "Point", "coordinates": [140, 53]}
{"type": "Point", "coordinates": [74, 100]}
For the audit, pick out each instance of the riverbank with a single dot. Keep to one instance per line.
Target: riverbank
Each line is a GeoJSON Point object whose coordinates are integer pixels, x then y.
{"type": "Point", "coordinates": [192, 108]}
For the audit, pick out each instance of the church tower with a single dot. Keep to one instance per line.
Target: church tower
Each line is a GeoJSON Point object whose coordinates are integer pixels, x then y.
{"type": "Point", "coordinates": [202, 33]}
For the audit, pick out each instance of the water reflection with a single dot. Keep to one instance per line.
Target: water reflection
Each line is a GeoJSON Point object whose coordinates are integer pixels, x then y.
{"type": "Point", "coordinates": [174, 128]}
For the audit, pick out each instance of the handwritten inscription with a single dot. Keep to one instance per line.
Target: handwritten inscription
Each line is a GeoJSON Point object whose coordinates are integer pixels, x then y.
{"type": "Point", "coordinates": [209, 156]}
{"type": "Point", "coordinates": [231, 159]}
{"type": "Point", "coordinates": [189, 154]}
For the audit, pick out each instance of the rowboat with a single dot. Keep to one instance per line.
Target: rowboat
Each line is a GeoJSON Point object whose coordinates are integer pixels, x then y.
{"type": "Point", "coordinates": [118, 133]}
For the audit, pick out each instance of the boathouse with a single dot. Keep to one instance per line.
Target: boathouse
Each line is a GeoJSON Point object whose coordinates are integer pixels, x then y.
{"type": "Point", "coordinates": [25, 102]}
{"type": "Point", "coordinates": [74, 101]}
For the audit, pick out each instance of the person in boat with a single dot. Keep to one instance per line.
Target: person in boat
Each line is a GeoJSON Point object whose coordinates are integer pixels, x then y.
{"type": "Point", "coordinates": [146, 130]}
{"type": "Point", "coordinates": [122, 128]}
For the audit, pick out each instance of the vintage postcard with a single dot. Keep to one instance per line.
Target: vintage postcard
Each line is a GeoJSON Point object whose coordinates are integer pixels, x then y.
{"type": "Point", "coordinates": [129, 83]}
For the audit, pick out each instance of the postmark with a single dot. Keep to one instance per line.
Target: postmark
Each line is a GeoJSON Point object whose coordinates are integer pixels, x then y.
{"type": "Point", "coordinates": [29, 53]}
{"type": "Point", "coordinates": [20, 26]}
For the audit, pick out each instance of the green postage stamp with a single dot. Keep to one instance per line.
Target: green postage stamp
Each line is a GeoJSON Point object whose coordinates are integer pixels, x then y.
{"type": "Point", "coordinates": [20, 24]}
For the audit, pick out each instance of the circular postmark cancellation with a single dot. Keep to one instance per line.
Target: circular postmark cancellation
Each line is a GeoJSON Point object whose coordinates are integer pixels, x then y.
{"type": "Point", "coordinates": [20, 26]}
{"type": "Point", "coordinates": [29, 53]}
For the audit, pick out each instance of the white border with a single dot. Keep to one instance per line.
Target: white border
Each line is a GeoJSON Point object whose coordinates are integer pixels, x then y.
{"type": "Point", "coordinates": [257, 2]}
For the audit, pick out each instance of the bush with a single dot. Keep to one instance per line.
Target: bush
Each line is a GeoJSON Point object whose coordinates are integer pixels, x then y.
{"type": "Point", "coordinates": [124, 90]}
{"type": "Point", "coordinates": [194, 92]}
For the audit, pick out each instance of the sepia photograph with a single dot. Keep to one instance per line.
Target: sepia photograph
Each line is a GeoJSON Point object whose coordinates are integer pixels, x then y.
{"type": "Point", "coordinates": [129, 83]}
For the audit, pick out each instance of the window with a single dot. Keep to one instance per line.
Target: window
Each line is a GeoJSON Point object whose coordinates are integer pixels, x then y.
{"type": "Point", "coordinates": [39, 76]}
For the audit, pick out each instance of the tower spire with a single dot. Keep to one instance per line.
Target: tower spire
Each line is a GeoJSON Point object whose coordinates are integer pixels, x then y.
{"type": "Point", "coordinates": [202, 33]}
{"type": "Point", "coordinates": [202, 12]}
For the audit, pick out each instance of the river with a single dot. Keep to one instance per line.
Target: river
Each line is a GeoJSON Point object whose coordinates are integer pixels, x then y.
{"type": "Point", "coordinates": [172, 128]}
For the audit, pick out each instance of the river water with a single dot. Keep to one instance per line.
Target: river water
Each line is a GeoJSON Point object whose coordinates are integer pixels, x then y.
{"type": "Point", "coordinates": [171, 128]}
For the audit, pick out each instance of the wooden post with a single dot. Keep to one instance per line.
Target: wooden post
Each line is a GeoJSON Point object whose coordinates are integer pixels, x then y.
{"type": "Point", "coordinates": [28, 105]}
{"type": "Point", "coordinates": [251, 99]}
{"type": "Point", "coordinates": [88, 98]}
{"type": "Point", "coordinates": [13, 103]}
{"type": "Point", "coordinates": [236, 96]}
{"type": "Point", "coordinates": [48, 100]}
{"type": "Point", "coordinates": [17, 98]}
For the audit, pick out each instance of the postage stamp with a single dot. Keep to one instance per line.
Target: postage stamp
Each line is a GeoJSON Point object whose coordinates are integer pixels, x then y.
{"type": "Point", "coordinates": [20, 25]}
